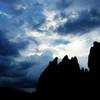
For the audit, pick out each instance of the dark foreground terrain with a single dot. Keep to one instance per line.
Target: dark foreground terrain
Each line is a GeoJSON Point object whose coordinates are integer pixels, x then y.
{"type": "Point", "coordinates": [66, 79]}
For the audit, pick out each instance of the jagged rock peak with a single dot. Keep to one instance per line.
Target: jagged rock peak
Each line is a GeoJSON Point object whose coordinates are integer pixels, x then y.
{"type": "Point", "coordinates": [55, 60]}
{"type": "Point", "coordinates": [65, 58]}
{"type": "Point", "coordinates": [74, 58]}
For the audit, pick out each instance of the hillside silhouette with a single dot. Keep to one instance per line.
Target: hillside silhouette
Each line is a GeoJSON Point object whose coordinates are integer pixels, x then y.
{"type": "Point", "coordinates": [66, 79]}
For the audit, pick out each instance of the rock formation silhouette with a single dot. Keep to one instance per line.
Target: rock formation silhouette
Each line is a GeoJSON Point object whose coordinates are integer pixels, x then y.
{"type": "Point", "coordinates": [66, 80]}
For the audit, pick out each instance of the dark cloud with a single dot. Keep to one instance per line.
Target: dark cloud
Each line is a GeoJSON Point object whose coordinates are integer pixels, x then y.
{"type": "Point", "coordinates": [8, 48]}
{"type": "Point", "coordinates": [84, 21]}
{"type": "Point", "coordinates": [14, 74]}
{"type": "Point", "coordinates": [24, 72]}
{"type": "Point", "coordinates": [15, 17]}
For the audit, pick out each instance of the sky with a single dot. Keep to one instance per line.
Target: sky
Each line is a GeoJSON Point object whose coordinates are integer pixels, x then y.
{"type": "Point", "coordinates": [34, 32]}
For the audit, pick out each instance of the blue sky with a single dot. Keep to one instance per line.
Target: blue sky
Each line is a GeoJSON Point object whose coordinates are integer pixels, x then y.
{"type": "Point", "coordinates": [33, 32]}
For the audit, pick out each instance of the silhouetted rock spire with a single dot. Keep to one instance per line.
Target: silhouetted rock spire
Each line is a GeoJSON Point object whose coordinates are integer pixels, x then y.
{"type": "Point", "coordinates": [65, 59]}
{"type": "Point", "coordinates": [94, 58]}
{"type": "Point", "coordinates": [75, 64]}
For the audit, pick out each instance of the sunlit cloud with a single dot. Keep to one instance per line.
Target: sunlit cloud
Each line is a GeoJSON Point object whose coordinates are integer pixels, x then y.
{"type": "Point", "coordinates": [75, 45]}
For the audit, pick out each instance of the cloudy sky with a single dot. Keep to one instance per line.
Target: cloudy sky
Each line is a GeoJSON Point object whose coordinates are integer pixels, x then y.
{"type": "Point", "coordinates": [33, 32]}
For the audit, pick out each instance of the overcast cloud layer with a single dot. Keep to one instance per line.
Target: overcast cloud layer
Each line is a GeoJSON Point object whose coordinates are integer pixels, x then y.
{"type": "Point", "coordinates": [33, 32]}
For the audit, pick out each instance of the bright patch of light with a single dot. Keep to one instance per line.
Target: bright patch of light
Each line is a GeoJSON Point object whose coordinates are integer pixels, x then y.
{"type": "Point", "coordinates": [78, 46]}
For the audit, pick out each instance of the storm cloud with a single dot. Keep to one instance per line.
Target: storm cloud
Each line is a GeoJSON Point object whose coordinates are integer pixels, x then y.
{"type": "Point", "coordinates": [15, 17]}
{"type": "Point", "coordinates": [81, 22]}
{"type": "Point", "coordinates": [33, 32]}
